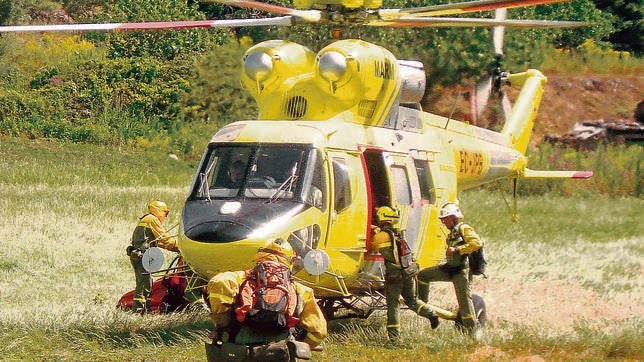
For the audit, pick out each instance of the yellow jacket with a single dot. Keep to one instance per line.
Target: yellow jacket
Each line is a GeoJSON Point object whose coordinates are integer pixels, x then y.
{"type": "Point", "coordinates": [472, 241]}
{"type": "Point", "coordinates": [150, 224]}
{"type": "Point", "coordinates": [465, 240]}
{"type": "Point", "coordinates": [222, 292]}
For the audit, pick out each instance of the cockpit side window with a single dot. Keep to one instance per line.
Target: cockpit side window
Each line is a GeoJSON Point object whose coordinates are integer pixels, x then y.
{"type": "Point", "coordinates": [314, 186]}
{"type": "Point", "coordinates": [342, 183]}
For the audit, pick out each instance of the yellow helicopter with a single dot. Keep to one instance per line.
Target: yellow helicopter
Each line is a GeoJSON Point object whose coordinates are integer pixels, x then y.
{"type": "Point", "coordinates": [340, 132]}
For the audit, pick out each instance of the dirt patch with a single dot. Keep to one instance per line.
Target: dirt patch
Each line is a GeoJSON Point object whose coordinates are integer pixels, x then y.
{"type": "Point", "coordinates": [552, 304]}
{"type": "Point", "coordinates": [570, 99]}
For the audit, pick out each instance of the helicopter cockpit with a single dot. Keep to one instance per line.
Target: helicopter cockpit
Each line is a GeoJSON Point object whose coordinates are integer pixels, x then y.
{"type": "Point", "coordinates": [270, 172]}
{"type": "Point", "coordinates": [240, 187]}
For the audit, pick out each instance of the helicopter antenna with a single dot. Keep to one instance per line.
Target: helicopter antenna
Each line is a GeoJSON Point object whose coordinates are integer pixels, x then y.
{"type": "Point", "coordinates": [451, 113]}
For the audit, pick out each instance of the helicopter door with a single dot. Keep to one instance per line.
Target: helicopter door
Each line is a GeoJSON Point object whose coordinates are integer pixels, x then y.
{"type": "Point", "coordinates": [349, 214]}
{"type": "Point", "coordinates": [391, 184]}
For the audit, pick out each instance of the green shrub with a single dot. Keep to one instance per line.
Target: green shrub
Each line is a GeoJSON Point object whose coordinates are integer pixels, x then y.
{"type": "Point", "coordinates": [591, 58]}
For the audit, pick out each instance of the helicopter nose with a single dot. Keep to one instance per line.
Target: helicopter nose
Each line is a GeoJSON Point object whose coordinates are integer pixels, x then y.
{"type": "Point", "coordinates": [218, 232]}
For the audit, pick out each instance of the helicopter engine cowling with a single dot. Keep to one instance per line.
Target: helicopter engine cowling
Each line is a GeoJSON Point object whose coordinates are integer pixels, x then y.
{"type": "Point", "coordinates": [267, 64]}
{"type": "Point", "coordinates": [363, 76]}
{"type": "Point", "coordinates": [349, 80]}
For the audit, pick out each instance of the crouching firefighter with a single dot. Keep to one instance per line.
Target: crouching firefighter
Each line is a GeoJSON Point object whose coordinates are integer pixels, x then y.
{"type": "Point", "coordinates": [400, 272]}
{"type": "Point", "coordinates": [261, 314]}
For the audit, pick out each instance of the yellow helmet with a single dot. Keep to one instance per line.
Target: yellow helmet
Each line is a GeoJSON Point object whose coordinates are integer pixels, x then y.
{"type": "Point", "coordinates": [450, 209]}
{"type": "Point", "coordinates": [387, 214]}
{"type": "Point", "coordinates": [158, 208]}
{"type": "Point", "coordinates": [278, 250]}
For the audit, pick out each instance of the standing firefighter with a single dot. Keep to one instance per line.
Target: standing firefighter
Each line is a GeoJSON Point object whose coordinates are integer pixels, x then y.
{"type": "Point", "coordinates": [149, 232]}
{"type": "Point", "coordinates": [400, 272]}
{"type": "Point", "coordinates": [461, 241]}
{"type": "Point", "coordinates": [261, 314]}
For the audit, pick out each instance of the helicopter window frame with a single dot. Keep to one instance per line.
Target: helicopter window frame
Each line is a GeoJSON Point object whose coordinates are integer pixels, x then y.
{"type": "Point", "coordinates": [402, 187]}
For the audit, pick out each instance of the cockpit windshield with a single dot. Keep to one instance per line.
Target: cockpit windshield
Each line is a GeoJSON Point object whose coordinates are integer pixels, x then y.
{"type": "Point", "coordinates": [271, 172]}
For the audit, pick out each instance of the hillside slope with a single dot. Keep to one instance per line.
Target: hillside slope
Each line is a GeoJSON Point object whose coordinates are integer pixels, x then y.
{"type": "Point", "coordinates": [567, 99]}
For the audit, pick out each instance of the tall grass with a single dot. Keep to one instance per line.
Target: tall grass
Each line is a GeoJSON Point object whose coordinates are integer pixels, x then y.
{"type": "Point", "coordinates": [617, 170]}
{"type": "Point", "coordinates": [68, 212]}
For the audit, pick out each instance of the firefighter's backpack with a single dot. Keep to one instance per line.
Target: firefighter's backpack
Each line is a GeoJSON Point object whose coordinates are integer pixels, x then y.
{"type": "Point", "coordinates": [478, 262]}
{"type": "Point", "coordinates": [267, 299]}
{"type": "Point", "coordinates": [476, 259]}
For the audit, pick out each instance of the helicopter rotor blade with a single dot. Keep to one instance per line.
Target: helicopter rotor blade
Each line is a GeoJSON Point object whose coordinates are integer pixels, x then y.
{"type": "Point", "coordinates": [472, 6]}
{"type": "Point", "coordinates": [156, 25]}
{"type": "Point", "coordinates": [483, 91]}
{"type": "Point", "coordinates": [311, 16]}
{"type": "Point", "coordinates": [506, 106]}
{"type": "Point", "coordinates": [412, 17]}
{"type": "Point", "coordinates": [480, 96]}
{"type": "Point", "coordinates": [498, 32]}
{"type": "Point", "coordinates": [437, 22]}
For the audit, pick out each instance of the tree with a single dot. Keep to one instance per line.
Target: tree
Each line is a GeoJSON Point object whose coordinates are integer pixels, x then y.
{"type": "Point", "coordinates": [161, 44]}
{"type": "Point", "coordinates": [216, 96]}
{"type": "Point", "coordinates": [628, 23]}
{"type": "Point", "coordinates": [5, 11]}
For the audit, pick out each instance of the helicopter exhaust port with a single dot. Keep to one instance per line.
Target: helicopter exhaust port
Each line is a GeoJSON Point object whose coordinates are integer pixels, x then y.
{"type": "Point", "coordinates": [414, 81]}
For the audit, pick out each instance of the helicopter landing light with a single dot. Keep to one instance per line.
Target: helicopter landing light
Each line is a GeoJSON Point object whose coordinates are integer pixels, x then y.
{"type": "Point", "coordinates": [258, 65]}
{"type": "Point", "coordinates": [230, 208]}
{"type": "Point", "coordinates": [152, 259]}
{"type": "Point", "coordinates": [332, 66]}
{"type": "Point", "coordinates": [316, 262]}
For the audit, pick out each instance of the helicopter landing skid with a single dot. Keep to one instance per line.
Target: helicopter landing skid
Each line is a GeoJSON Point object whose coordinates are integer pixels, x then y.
{"type": "Point", "coordinates": [355, 306]}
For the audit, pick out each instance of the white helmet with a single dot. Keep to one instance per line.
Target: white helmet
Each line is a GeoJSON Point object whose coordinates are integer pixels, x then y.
{"type": "Point", "coordinates": [450, 209]}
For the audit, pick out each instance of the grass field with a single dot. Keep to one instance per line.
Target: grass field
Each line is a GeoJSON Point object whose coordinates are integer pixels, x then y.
{"type": "Point", "coordinates": [565, 282]}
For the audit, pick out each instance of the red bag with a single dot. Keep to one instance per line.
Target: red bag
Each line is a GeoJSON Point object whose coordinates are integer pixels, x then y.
{"type": "Point", "coordinates": [167, 293]}
{"type": "Point", "coordinates": [166, 296]}
{"type": "Point", "coordinates": [267, 299]}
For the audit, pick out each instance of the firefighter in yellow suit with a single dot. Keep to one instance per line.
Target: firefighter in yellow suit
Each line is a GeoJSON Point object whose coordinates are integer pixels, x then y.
{"type": "Point", "coordinates": [222, 293]}
{"type": "Point", "coordinates": [148, 232]}
{"type": "Point", "coordinates": [400, 277]}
